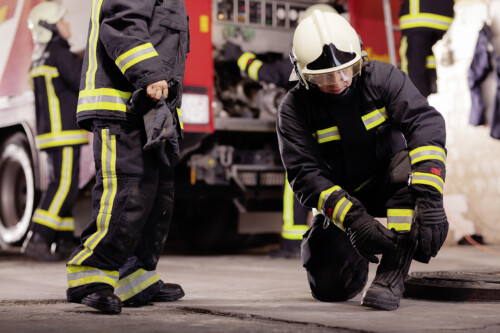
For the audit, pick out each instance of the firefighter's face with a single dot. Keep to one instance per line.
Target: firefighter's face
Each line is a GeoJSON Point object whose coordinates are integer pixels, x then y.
{"type": "Point", "coordinates": [336, 87]}
{"type": "Point", "coordinates": [333, 82]}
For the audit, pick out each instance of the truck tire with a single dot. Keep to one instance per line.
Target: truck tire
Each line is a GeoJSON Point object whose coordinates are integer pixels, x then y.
{"type": "Point", "coordinates": [17, 189]}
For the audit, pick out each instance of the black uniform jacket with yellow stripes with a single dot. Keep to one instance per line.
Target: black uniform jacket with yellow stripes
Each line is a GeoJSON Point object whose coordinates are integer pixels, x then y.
{"type": "Point", "coordinates": [327, 142]}
{"type": "Point", "coordinates": [434, 14]}
{"type": "Point", "coordinates": [55, 78]}
{"type": "Point", "coordinates": [131, 44]}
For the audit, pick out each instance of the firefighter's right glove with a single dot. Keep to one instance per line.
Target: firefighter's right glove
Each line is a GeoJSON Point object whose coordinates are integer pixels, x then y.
{"type": "Point", "coordinates": [368, 236]}
{"type": "Point", "coordinates": [432, 228]}
{"type": "Point", "coordinates": [159, 125]}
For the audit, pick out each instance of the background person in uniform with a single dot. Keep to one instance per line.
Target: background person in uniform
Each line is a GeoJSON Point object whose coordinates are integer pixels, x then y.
{"type": "Point", "coordinates": [349, 135]}
{"type": "Point", "coordinates": [423, 23]}
{"type": "Point", "coordinates": [295, 216]}
{"type": "Point", "coordinates": [55, 76]}
{"type": "Point", "coordinates": [130, 95]}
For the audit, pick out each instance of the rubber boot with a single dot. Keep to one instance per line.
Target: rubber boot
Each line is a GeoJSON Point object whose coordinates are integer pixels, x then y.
{"type": "Point", "coordinates": [388, 286]}
{"type": "Point", "coordinates": [35, 246]}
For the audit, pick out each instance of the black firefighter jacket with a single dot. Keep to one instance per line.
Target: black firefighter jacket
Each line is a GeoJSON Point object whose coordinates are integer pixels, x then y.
{"type": "Point", "coordinates": [55, 78]}
{"type": "Point", "coordinates": [131, 44]}
{"type": "Point", "coordinates": [327, 143]}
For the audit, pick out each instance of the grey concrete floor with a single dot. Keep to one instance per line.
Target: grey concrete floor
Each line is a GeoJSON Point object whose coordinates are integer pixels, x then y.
{"type": "Point", "coordinates": [238, 293]}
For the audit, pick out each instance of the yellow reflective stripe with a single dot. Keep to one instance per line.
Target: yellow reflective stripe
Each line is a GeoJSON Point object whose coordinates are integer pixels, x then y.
{"type": "Point", "coordinates": [428, 179]}
{"type": "Point", "coordinates": [324, 196]}
{"type": "Point", "coordinates": [134, 283]}
{"type": "Point", "coordinates": [425, 153]}
{"type": "Point", "coordinates": [64, 183]}
{"type": "Point", "coordinates": [103, 99]}
{"type": "Point", "coordinates": [374, 118]}
{"type": "Point", "coordinates": [54, 222]}
{"type": "Point", "coordinates": [399, 219]}
{"type": "Point", "coordinates": [44, 70]}
{"type": "Point", "coordinates": [108, 160]}
{"type": "Point", "coordinates": [430, 62]}
{"type": "Point", "coordinates": [48, 73]}
{"type": "Point", "coordinates": [327, 134]}
{"type": "Point", "coordinates": [135, 55]}
{"type": "Point", "coordinates": [340, 211]}
{"type": "Point", "coordinates": [426, 20]}
{"type": "Point", "coordinates": [63, 138]}
{"type": "Point", "coordinates": [92, 44]}
{"type": "Point", "coordinates": [82, 275]}
{"type": "Point", "coordinates": [243, 60]}
{"type": "Point", "coordinates": [179, 115]}
{"type": "Point", "coordinates": [403, 48]}
{"type": "Point", "coordinates": [253, 70]}
{"type": "Point", "coordinates": [290, 230]}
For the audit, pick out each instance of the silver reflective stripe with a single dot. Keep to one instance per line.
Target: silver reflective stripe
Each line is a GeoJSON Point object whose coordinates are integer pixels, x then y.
{"type": "Point", "coordinates": [64, 183]}
{"type": "Point", "coordinates": [135, 55]}
{"type": "Point", "coordinates": [323, 197]}
{"type": "Point", "coordinates": [102, 99]}
{"type": "Point", "coordinates": [341, 209]}
{"type": "Point", "coordinates": [428, 179]}
{"type": "Point", "coordinates": [374, 118]}
{"type": "Point", "coordinates": [328, 134]}
{"type": "Point", "coordinates": [135, 283]}
{"type": "Point", "coordinates": [92, 45]}
{"type": "Point", "coordinates": [427, 153]}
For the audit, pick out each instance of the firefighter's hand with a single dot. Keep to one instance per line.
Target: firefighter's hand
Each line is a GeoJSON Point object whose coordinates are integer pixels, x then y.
{"type": "Point", "coordinates": [157, 89]}
{"type": "Point", "coordinates": [368, 236]}
{"type": "Point", "coordinates": [432, 228]}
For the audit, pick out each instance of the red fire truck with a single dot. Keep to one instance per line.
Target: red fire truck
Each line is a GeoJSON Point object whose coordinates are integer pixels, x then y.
{"type": "Point", "coordinates": [229, 176]}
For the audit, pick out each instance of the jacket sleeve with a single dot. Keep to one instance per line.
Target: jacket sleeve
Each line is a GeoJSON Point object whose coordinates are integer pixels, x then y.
{"type": "Point", "coordinates": [277, 72]}
{"type": "Point", "coordinates": [70, 66]}
{"type": "Point", "coordinates": [424, 129]}
{"type": "Point", "coordinates": [125, 35]}
{"type": "Point", "coordinates": [307, 171]}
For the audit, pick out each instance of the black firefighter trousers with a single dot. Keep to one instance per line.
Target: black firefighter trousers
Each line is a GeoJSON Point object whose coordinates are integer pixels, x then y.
{"type": "Point", "coordinates": [335, 270]}
{"type": "Point", "coordinates": [132, 208]}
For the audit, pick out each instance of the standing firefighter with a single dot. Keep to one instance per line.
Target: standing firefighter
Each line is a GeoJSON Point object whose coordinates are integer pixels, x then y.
{"type": "Point", "coordinates": [130, 95]}
{"type": "Point", "coordinates": [423, 23]}
{"type": "Point", "coordinates": [358, 140]}
{"type": "Point", "coordinates": [55, 76]}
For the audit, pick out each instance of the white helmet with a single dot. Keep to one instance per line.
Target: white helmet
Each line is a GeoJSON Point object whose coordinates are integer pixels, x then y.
{"type": "Point", "coordinates": [323, 7]}
{"type": "Point", "coordinates": [48, 13]}
{"type": "Point", "coordinates": [325, 49]}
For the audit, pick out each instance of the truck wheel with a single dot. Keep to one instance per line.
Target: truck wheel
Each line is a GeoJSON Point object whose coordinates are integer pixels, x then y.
{"type": "Point", "coordinates": [17, 189]}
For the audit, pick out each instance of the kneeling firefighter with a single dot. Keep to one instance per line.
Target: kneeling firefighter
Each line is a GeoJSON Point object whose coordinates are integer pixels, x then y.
{"type": "Point", "coordinates": [359, 141]}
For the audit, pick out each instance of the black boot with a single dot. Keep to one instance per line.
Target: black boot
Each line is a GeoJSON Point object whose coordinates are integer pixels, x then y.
{"type": "Point", "coordinates": [103, 300]}
{"type": "Point", "coordinates": [65, 248]}
{"type": "Point", "coordinates": [388, 286]}
{"type": "Point", "coordinates": [169, 292]}
{"type": "Point", "coordinates": [35, 246]}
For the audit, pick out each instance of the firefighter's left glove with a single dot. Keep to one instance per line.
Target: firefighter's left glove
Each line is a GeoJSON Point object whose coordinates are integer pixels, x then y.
{"type": "Point", "coordinates": [432, 227]}
{"type": "Point", "coordinates": [368, 236]}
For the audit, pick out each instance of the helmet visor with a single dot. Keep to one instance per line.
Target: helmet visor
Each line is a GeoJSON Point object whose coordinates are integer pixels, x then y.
{"type": "Point", "coordinates": [335, 77]}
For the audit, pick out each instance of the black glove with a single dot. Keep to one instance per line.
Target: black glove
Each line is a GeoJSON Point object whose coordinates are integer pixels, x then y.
{"type": "Point", "coordinates": [159, 124]}
{"type": "Point", "coordinates": [368, 236]}
{"type": "Point", "coordinates": [231, 51]}
{"type": "Point", "coordinates": [432, 228]}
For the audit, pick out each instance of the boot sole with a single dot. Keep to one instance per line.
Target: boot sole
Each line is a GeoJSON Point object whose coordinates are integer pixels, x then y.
{"type": "Point", "coordinates": [102, 306]}
{"type": "Point", "coordinates": [378, 304]}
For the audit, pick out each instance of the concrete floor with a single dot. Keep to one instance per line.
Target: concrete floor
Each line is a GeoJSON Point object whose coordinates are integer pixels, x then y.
{"type": "Point", "coordinates": [238, 293]}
